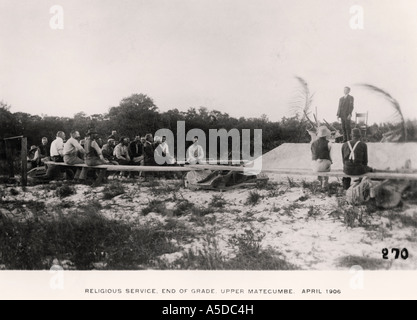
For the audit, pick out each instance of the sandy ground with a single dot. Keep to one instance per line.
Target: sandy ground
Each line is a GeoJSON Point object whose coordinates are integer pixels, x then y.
{"type": "Point", "coordinates": [298, 224]}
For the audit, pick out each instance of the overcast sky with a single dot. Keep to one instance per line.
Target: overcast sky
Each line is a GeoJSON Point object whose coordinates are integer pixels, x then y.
{"type": "Point", "coordinates": [236, 56]}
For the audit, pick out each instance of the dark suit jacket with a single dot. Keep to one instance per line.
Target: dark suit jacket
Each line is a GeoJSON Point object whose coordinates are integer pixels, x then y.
{"type": "Point", "coordinates": [345, 107]}
{"type": "Point", "coordinates": [135, 149]}
{"type": "Point", "coordinates": [148, 153]}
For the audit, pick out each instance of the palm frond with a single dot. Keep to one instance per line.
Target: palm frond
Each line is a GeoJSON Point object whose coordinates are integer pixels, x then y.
{"type": "Point", "coordinates": [394, 103]}
{"type": "Point", "coordinates": [303, 99]}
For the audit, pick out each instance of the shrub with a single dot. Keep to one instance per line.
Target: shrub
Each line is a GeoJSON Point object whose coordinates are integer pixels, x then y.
{"type": "Point", "coordinates": [254, 198]}
{"type": "Point", "coordinates": [218, 201]}
{"type": "Point", "coordinates": [183, 207]}
{"type": "Point", "coordinates": [113, 190]}
{"type": "Point", "coordinates": [291, 183]}
{"type": "Point", "coordinates": [157, 189]}
{"type": "Point", "coordinates": [66, 204]}
{"type": "Point", "coordinates": [14, 192]}
{"type": "Point", "coordinates": [303, 198]}
{"type": "Point", "coordinates": [35, 206]}
{"type": "Point", "coordinates": [410, 195]}
{"type": "Point", "coordinates": [288, 210]}
{"type": "Point", "coordinates": [275, 208]}
{"type": "Point", "coordinates": [364, 262]}
{"type": "Point", "coordinates": [336, 189]}
{"type": "Point", "coordinates": [264, 185]}
{"type": "Point", "coordinates": [201, 211]}
{"type": "Point", "coordinates": [313, 212]}
{"type": "Point", "coordinates": [65, 191]}
{"type": "Point", "coordinates": [250, 255]}
{"type": "Point", "coordinates": [249, 243]}
{"type": "Point", "coordinates": [350, 216]}
{"type": "Point", "coordinates": [406, 221]}
{"type": "Point", "coordinates": [314, 187]}
{"type": "Point", "coordinates": [156, 206]}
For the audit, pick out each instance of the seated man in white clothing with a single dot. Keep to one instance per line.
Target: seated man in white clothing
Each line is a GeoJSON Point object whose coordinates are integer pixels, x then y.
{"type": "Point", "coordinates": [162, 151]}
{"type": "Point", "coordinates": [195, 153]}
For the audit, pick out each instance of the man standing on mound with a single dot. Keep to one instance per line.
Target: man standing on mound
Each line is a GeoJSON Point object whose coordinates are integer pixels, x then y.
{"type": "Point", "coordinates": [344, 112]}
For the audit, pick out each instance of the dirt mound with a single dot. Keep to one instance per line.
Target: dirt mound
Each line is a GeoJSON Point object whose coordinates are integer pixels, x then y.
{"type": "Point", "coordinates": [381, 156]}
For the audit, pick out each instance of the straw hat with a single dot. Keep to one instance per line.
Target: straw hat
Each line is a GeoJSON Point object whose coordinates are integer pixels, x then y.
{"type": "Point", "coordinates": [323, 131]}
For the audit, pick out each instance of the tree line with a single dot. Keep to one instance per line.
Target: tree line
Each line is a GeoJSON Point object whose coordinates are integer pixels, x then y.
{"type": "Point", "coordinates": [138, 115]}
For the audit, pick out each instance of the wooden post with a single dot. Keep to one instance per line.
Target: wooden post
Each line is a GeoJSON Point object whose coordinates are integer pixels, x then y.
{"type": "Point", "coordinates": [24, 154]}
{"type": "Point", "coordinates": [9, 157]}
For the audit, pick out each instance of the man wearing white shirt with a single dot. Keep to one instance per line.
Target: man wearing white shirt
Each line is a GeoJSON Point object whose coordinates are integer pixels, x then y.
{"type": "Point", "coordinates": [57, 155]}
{"type": "Point", "coordinates": [73, 150]}
{"type": "Point", "coordinates": [121, 152]}
{"type": "Point", "coordinates": [195, 153]}
{"type": "Point", "coordinates": [57, 147]}
{"type": "Point", "coordinates": [162, 151]}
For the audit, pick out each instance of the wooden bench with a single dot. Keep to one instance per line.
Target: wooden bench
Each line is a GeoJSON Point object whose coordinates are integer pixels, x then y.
{"type": "Point", "coordinates": [118, 168]}
{"type": "Point", "coordinates": [109, 167]}
{"type": "Point", "coordinates": [390, 175]}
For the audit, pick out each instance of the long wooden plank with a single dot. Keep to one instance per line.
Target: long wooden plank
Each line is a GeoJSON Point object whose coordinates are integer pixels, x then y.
{"type": "Point", "coordinates": [393, 175]}
{"type": "Point", "coordinates": [147, 169]}
{"type": "Point", "coordinates": [125, 168]}
{"type": "Point", "coordinates": [216, 167]}
{"type": "Point", "coordinates": [12, 138]}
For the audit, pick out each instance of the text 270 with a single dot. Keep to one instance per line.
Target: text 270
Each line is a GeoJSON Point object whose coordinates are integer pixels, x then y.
{"type": "Point", "coordinates": [403, 253]}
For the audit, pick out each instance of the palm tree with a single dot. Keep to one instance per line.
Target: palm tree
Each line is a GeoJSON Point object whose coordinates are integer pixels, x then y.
{"type": "Point", "coordinates": [398, 114]}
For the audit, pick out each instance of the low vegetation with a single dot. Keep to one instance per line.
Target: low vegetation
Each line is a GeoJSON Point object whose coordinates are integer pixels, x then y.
{"type": "Point", "coordinates": [65, 191]}
{"type": "Point", "coordinates": [155, 206]}
{"type": "Point", "coordinates": [85, 238]}
{"type": "Point", "coordinates": [249, 256]}
{"type": "Point", "coordinates": [365, 263]}
{"type": "Point", "coordinates": [405, 220]}
{"type": "Point", "coordinates": [112, 190]}
{"type": "Point", "coordinates": [254, 198]}
{"type": "Point", "coordinates": [218, 201]}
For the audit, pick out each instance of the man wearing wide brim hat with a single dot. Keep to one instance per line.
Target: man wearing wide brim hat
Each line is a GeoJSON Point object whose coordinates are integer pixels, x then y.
{"type": "Point", "coordinates": [33, 157]}
{"type": "Point", "coordinates": [321, 154]}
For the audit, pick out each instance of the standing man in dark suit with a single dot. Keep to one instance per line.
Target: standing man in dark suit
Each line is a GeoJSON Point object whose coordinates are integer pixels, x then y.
{"type": "Point", "coordinates": [344, 112]}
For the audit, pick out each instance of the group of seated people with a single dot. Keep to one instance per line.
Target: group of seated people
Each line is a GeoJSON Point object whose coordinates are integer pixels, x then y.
{"type": "Point", "coordinates": [354, 155]}
{"type": "Point", "coordinates": [142, 151]}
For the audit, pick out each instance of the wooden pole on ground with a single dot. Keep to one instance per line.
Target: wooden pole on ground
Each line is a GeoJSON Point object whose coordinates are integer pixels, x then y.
{"type": "Point", "coordinates": [24, 154]}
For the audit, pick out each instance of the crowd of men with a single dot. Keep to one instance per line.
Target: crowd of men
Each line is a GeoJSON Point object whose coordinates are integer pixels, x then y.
{"type": "Point", "coordinates": [142, 151]}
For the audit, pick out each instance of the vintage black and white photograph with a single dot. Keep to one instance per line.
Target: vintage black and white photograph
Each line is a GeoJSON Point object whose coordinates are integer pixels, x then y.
{"type": "Point", "coordinates": [208, 135]}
